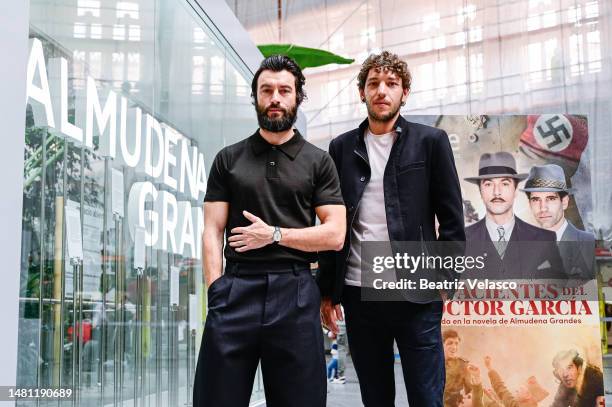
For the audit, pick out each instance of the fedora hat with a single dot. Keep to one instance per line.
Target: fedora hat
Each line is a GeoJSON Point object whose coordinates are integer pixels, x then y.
{"type": "Point", "coordinates": [546, 178]}
{"type": "Point", "coordinates": [496, 165]}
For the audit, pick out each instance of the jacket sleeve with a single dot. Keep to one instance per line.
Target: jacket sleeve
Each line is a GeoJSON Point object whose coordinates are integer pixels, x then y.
{"type": "Point", "coordinates": [326, 276]}
{"type": "Point", "coordinates": [477, 394]}
{"type": "Point", "coordinates": [447, 204]}
{"type": "Point", "coordinates": [501, 390]}
{"type": "Point", "coordinates": [446, 191]}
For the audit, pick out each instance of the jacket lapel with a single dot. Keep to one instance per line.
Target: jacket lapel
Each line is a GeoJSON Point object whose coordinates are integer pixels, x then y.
{"type": "Point", "coordinates": [483, 233]}
{"type": "Point", "coordinates": [517, 232]}
{"type": "Point", "coordinates": [570, 233]}
{"type": "Point", "coordinates": [400, 125]}
{"type": "Point", "coordinates": [512, 258]}
{"type": "Point", "coordinates": [360, 147]}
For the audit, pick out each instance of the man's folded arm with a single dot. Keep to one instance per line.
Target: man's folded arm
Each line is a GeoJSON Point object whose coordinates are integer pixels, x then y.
{"type": "Point", "coordinates": [329, 235]}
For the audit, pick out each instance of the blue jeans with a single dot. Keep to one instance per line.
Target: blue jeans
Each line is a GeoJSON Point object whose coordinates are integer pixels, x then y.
{"type": "Point", "coordinates": [332, 368]}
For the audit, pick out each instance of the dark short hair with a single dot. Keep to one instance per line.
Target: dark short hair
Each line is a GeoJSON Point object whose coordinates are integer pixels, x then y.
{"type": "Point", "coordinates": [278, 63]}
{"type": "Point", "coordinates": [562, 194]}
{"type": "Point", "coordinates": [385, 60]}
{"type": "Point", "coordinates": [449, 334]}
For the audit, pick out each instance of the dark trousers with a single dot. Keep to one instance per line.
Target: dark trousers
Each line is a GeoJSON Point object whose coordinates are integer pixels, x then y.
{"type": "Point", "coordinates": [258, 316]}
{"type": "Point", "coordinates": [416, 328]}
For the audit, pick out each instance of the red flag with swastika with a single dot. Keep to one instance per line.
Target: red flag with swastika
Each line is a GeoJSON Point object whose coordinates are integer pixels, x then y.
{"type": "Point", "coordinates": [563, 136]}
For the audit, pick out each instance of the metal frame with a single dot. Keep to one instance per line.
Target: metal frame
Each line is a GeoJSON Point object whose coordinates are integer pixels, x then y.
{"type": "Point", "coordinates": [14, 21]}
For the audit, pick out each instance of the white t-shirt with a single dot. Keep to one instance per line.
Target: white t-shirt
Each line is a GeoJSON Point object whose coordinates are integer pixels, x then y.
{"type": "Point", "coordinates": [371, 220]}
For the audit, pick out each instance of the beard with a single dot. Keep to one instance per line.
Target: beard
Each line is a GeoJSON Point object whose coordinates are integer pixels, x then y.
{"type": "Point", "coordinates": [384, 117]}
{"type": "Point", "coordinates": [276, 125]}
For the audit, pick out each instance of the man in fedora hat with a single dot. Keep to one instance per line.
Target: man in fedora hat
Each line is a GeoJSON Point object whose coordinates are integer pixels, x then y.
{"type": "Point", "coordinates": [502, 230]}
{"type": "Point", "coordinates": [548, 196]}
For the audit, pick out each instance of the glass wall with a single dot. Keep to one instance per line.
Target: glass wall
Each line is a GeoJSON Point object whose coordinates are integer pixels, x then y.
{"type": "Point", "coordinates": [128, 103]}
{"type": "Point", "coordinates": [467, 57]}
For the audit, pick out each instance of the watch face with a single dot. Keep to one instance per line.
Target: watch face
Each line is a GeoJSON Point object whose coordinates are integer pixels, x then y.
{"type": "Point", "coordinates": [276, 236]}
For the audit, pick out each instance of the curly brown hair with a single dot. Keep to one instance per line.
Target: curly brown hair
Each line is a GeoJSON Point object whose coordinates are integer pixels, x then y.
{"type": "Point", "coordinates": [385, 60]}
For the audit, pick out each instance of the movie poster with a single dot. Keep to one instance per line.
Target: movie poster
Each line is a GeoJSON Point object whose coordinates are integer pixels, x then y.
{"type": "Point", "coordinates": [539, 343]}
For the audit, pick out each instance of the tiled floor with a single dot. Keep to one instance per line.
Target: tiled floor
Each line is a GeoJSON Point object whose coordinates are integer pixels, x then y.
{"type": "Point", "coordinates": [347, 395]}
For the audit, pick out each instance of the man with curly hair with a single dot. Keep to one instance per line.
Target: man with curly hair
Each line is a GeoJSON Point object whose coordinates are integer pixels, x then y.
{"type": "Point", "coordinates": [397, 177]}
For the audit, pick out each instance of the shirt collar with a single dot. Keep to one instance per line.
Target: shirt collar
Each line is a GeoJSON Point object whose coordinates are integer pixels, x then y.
{"type": "Point", "coordinates": [399, 126]}
{"type": "Point", "coordinates": [561, 230]}
{"type": "Point", "coordinates": [492, 228]}
{"type": "Point", "coordinates": [291, 147]}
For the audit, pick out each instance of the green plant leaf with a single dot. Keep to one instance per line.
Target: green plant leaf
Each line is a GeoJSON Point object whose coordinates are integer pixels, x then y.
{"type": "Point", "coordinates": [303, 56]}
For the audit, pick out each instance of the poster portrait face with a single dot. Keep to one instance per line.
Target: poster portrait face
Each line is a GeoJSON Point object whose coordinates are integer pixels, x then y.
{"type": "Point", "coordinates": [567, 371]}
{"type": "Point", "coordinates": [548, 208]}
{"type": "Point", "coordinates": [498, 195]}
{"type": "Point", "coordinates": [451, 347]}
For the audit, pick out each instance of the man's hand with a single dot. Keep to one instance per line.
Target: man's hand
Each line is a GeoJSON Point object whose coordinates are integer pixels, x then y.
{"type": "Point", "coordinates": [255, 236]}
{"type": "Point", "coordinates": [330, 314]}
{"type": "Point", "coordinates": [474, 371]}
{"type": "Point", "coordinates": [488, 362]}
{"type": "Point", "coordinates": [492, 395]}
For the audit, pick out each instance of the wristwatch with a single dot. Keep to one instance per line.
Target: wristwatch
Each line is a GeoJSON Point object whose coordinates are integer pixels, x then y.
{"type": "Point", "coordinates": [276, 235]}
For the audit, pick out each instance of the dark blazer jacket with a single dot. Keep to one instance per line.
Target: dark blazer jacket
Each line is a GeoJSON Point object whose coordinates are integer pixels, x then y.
{"type": "Point", "coordinates": [420, 183]}
{"type": "Point", "coordinates": [531, 253]}
{"type": "Point", "coordinates": [572, 233]}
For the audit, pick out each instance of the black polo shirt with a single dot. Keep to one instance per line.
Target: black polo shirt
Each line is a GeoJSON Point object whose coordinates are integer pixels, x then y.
{"type": "Point", "coordinates": [281, 184]}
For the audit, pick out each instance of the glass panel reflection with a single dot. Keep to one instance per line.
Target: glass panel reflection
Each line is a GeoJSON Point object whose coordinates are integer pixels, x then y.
{"type": "Point", "coordinates": [120, 322]}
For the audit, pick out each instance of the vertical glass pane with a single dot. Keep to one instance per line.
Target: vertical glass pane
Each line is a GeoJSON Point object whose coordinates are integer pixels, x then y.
{"type": "Point", "coordinates": [141, 97]}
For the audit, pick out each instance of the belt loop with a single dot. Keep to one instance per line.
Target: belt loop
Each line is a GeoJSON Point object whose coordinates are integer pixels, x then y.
{"type": "Point", "coordinates": [296, 269]}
